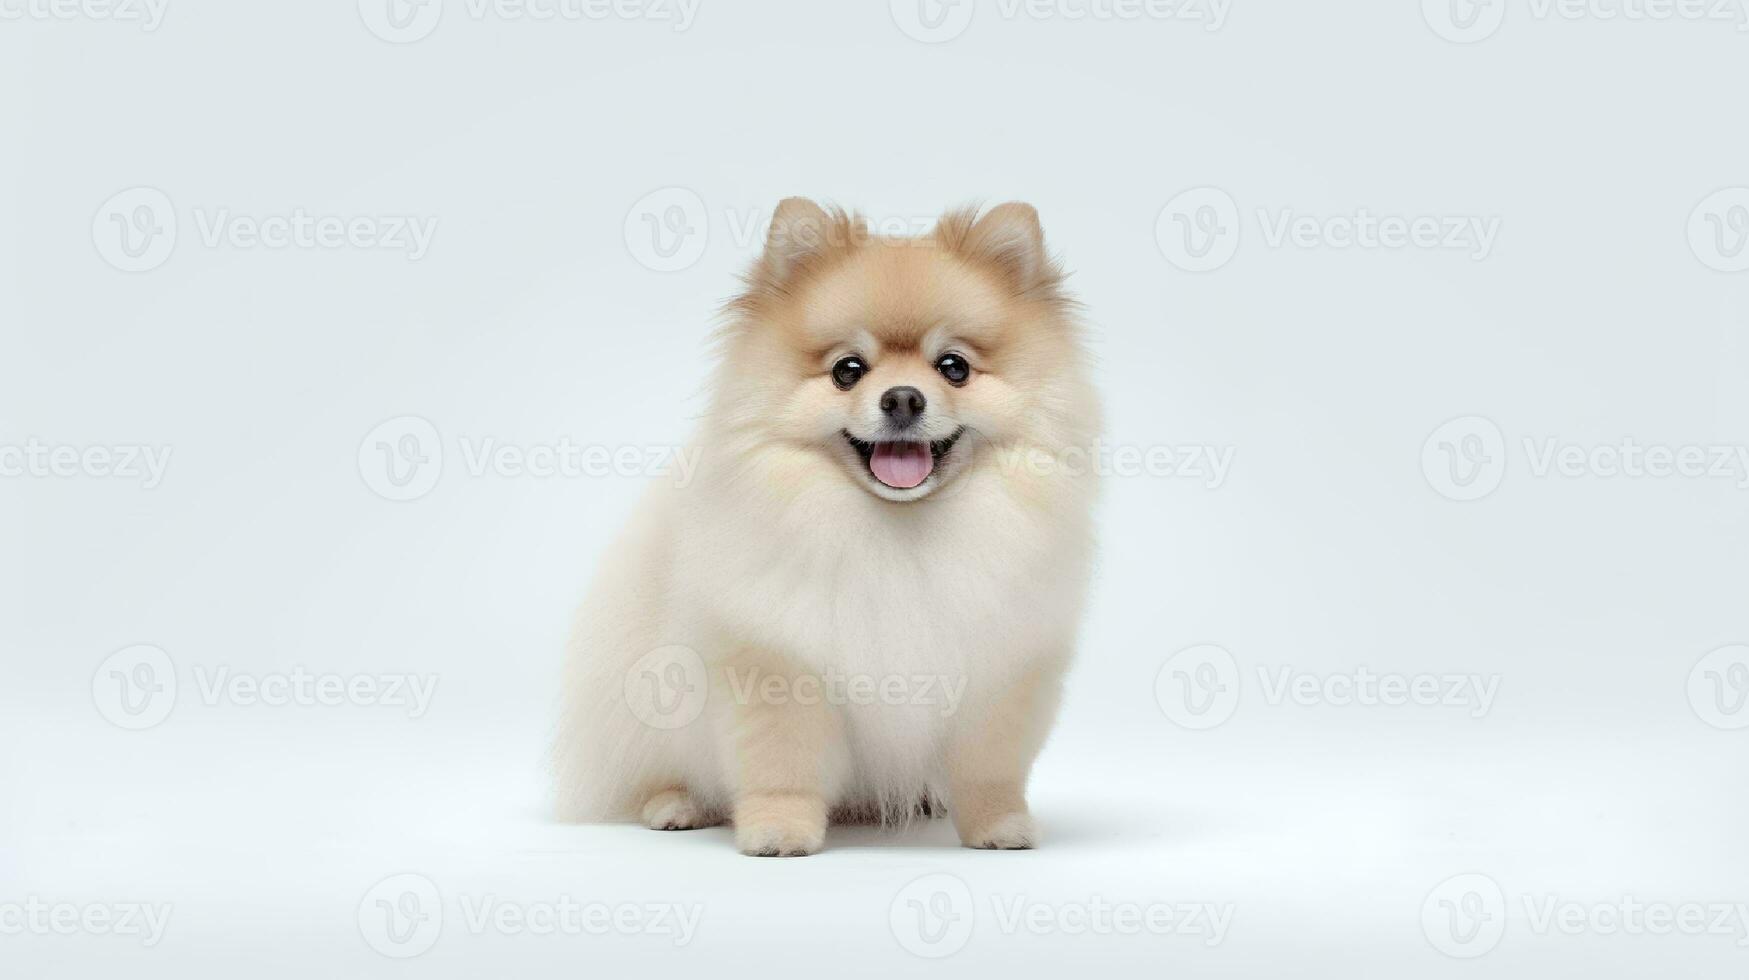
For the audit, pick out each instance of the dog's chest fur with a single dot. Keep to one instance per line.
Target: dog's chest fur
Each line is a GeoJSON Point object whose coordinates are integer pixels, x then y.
{"type": "Point", "coordinates": [975, 584]}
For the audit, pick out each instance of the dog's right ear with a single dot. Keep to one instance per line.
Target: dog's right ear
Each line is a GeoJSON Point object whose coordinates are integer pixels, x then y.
{"type": "Point", "coordinates": [801, 234]}
{"type": "Point", "coordinates": [1007, 239]}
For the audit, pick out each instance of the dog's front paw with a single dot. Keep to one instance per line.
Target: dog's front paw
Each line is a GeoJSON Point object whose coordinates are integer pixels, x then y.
{"type": "Point", "coordinates": [779, 841]}
{"type": "Point", "coordinates": [676, 809]}
{"type": "Point", "coordinates": [780, 826]}
{"type": "Point", "coordinates": [1005, 832]}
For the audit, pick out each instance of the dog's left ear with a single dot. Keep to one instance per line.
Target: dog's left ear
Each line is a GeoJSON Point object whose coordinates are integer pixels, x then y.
{"type": "Point", "coordinates": [802, 233]}
{"type": "Point", "coordinates": [1009, 238]}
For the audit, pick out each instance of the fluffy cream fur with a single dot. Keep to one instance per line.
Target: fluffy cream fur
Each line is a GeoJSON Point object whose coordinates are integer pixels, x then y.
{"type": "Point", "coordinates": [785, 572]}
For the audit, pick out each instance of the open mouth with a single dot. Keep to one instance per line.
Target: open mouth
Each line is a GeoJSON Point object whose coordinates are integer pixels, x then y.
{"type": "Point", "coordinates": [903, 465]}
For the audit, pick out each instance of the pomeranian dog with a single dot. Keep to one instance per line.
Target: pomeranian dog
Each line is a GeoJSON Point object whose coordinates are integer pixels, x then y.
{"type": "Point", "coordinates": [860, 606]}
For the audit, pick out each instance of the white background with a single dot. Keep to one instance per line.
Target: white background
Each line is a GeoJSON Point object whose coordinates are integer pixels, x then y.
{"type": "Point", "coordinates": [1598, 772]}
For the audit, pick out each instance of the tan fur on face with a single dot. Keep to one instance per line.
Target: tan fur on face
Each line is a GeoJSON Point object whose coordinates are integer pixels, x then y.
{"type": "Point", "coordinates": [785, 556]}
{"type": "Point", "coordinates": [982, 287]}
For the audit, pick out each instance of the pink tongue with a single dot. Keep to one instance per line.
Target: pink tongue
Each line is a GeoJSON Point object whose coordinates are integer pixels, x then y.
{"type": "Point", "coordinates": [901, 465]}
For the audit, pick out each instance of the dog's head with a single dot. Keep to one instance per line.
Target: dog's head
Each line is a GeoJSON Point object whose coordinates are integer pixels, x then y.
{"type": "Point", "coordinates": [900, 363]}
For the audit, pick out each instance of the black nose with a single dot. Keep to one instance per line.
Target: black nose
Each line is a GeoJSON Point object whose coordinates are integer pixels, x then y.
{"type": "Point", "coordinates": [902, 405]}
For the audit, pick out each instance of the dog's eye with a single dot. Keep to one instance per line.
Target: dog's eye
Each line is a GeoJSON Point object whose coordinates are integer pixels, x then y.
{"type": "Point", "coordinates": [848, 371]}
{"type": "Point", "coordinates": [954, 368]}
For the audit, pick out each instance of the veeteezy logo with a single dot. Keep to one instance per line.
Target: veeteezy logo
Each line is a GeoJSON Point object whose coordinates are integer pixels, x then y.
{"type": "Point", "coordinates": [145, 921]}
{"type": "Point", "coordinates": [941, 693]}
{"type": "Point", "coordinates": [1718, 230]}
{"type": "Point", "coordinates": [302, 688]}
{"type": "Point", "coordinates": [1470, 21]}
{"type": "Point", "coordinates": [149, 14]}
{"type": "Point", "coordinates": [1466, 459]}
{"type": "Point", "coordinates": [35, 459]}
{"type": "Point", "coordinates": [138, 229]}
{"type": "Point", "coordinates": [1208, 465]}
{"type": "Point", "coordinates": [1465, 916]}
{"type": "Point", "coordinates": [670, 686]}
{"type": "Point", "coordinates": [934, 917]}
{"type": "Point", "coordinates": [670, 228]}
{"type": "Point", "coordinates": [1718, 688]}
{"type": "Point", "coordinates": [1199, 230]}
{"type": "Point", "coordinates": [403, 915]}
{"type": "Point", "coordinates": [939, 21]}
{"type": "Point", "coordinates": [1199, 688]}
{"type": "Point", "coordinates": [407, 21]}
{"type": "Point", "coordinates": [136, 688]}
{"type": "Point", "coordinates": [402, 459]}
